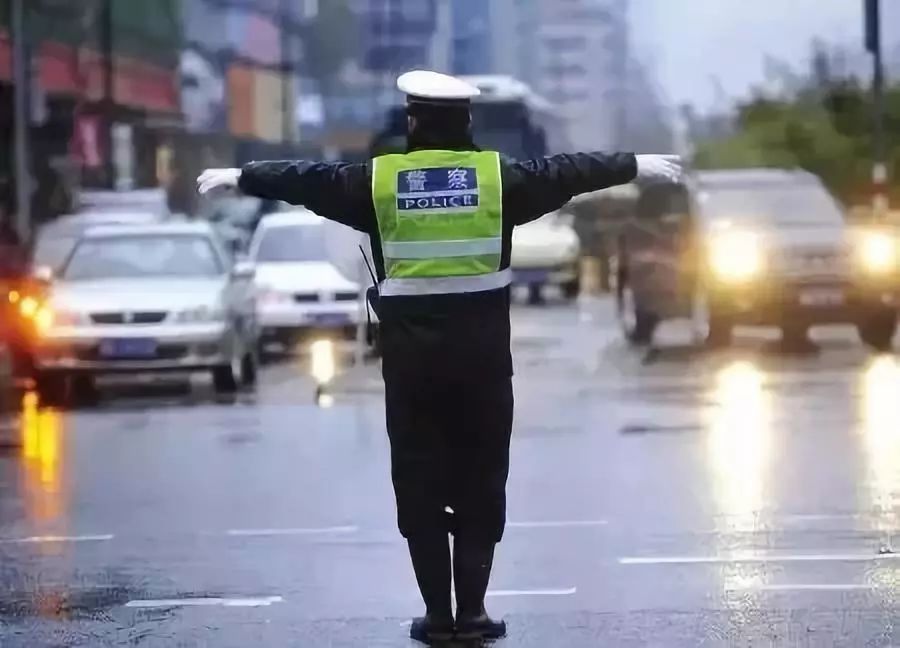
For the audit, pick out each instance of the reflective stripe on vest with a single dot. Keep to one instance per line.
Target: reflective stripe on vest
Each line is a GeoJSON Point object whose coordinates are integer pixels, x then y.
{"type": "Point", "coordinates": [439, 216]}
{"type": "Point", "coordinates": [442, 249]}
{"type": "Point", "coordinates": [445, 285]}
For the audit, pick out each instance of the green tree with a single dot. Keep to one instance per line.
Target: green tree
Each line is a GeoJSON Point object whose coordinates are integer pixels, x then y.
{"type": "Point", "coordinates": [824, 126]}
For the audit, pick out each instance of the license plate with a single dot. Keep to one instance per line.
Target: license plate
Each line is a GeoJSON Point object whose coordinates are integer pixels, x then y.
{"type": "Point", "coordinates": [128, 348]}
{"type": "Point", "coordinates": [330, 319]}
{"type": "Point", "coordinates": [822, 297]}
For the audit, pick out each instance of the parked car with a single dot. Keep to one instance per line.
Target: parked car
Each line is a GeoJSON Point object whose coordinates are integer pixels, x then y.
{"type": "Point", "coordinates": [147, 298]}
{"type": "Point", "coordinates": [756, 246]}
{"type": "Point", "coordinates": [307, 276]}
{"type": "Point", "coordinates": [546, 252]}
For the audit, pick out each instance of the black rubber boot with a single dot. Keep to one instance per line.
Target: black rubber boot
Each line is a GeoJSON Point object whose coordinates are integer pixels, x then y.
{"type": "Point", "coordinates": [431, 631]}
{"type": "Point", "coordinates": [472, 561]}
{"type": "Point", "coordinates": [431, 562]}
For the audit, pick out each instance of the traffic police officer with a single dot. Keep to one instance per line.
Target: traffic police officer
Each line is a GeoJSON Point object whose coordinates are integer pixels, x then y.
{"type": "Point", "coordinates": [440, 218]}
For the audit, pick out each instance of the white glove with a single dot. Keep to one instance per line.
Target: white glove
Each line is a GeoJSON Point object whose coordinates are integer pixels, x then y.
{"type": "Point", "coordinates": [218, 179]}
{"type": "Point", "coordinates": [665, 168]}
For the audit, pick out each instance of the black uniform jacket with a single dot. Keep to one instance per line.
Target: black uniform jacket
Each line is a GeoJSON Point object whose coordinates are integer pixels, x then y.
{"type": "Point", "coordinates": [465, 335]}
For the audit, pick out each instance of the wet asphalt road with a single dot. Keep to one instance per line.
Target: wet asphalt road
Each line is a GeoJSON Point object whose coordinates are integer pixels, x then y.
{"type": "Point", "coordinates": [680, 498]}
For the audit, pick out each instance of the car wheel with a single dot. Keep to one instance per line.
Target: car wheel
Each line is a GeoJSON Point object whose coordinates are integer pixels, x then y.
{"type": "Point", "coordinates": [51, 388]}
{"type": "Point", "coordinates": [877, 329]}
{"type": "Point", "coordinates": [571, 289]}
{"type": "Point", "coordinates": [226, 377]}
{"type": "Point", "coordinates": [535, 294]}
{"type": "Point", "coordinates": [712, 325]}
{"type": "Point", "coordinates": [638, 325]}
{"type": "Point", "coordinates": [83, 391]}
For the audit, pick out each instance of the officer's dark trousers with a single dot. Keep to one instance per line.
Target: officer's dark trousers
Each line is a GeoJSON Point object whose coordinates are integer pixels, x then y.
{"type": "Point", "coordinates": [450, 439]}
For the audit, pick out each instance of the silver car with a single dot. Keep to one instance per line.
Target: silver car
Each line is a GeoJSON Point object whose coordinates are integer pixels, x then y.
{"type": "Point", "coordinates": [148, 298]}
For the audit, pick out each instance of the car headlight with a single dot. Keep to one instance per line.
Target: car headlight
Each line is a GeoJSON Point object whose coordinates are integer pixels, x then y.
{"type": "Point", "coordinates": [63, 316]}
{"type": "Point", "coordinates": [878, 253]}
{"type": "Point", "coordinates": [28, 306]}
{"type": "Point", "coordinates": [735, 256]}
{"type": "Point", "coordinates": [47, 317]}
{"type": "Point", "coordinates": [200, 314]}
{"type": "Point", "coordinates": [269, 295]}
{"type": "Point", "coordinates": [274, 297]}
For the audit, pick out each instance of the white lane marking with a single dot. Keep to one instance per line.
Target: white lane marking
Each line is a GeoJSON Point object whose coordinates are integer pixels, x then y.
{"type": "Point", "coordinates": [534, 592]}
{"type": "Point", "coordinates": [798, 518]}
{"type": "Point", "coordinates": [291, 532]}
{"type": "Point", "coordinates": [52, 539]}
{"type": "Point", "coordinates": [754, 558]}
{"type": "Point", "coordinates": [802, 587]}
{"type": "Point", "coordinates": [263, 601]}
{"type": "Point", "coordinates": [560, 524]}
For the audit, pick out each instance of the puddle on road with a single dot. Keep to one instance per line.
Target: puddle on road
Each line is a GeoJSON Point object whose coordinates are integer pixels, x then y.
{"type": "Point", "coordinates": [648, 428]}
{"type": "Point", "coordinates": [63, 603]}
{"type": "Point", "coordinates": [242, 438]}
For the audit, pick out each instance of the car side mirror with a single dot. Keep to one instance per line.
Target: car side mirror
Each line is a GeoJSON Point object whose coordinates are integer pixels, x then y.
{"type": "Point", "coordinates": [243, 271]}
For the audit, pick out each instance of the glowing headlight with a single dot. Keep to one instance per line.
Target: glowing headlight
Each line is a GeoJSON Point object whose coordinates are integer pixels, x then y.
{"type": "Point", "coordinates": [735, 256]}
{"type": "Point", "coordinates": [200, 314]}
{"type": "Point", "coordinates": [44, 319]}
{"type": "Point", "coordinates": [29, 306]}
{"type": "Point", "coordinates": [878, 252]}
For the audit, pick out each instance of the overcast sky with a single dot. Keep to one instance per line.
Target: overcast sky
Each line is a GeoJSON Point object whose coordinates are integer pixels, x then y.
{"type": "Point", "coordinates": [688, 43]}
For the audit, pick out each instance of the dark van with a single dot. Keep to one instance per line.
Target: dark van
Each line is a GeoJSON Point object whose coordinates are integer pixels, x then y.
{"type": "Point", "coordinates": [754, 247]}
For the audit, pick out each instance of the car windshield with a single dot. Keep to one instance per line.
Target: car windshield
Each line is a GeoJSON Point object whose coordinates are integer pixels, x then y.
{"type": "Point", "coordinates": [52, 251]}
{"type": "Point", "coordinates": [144, 256]}
{"type": "Point", "coordinates": [797, 205]}
{"type": "Point", "coordinates": [291, 244]}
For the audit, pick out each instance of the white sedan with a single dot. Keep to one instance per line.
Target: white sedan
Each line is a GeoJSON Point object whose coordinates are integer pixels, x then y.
{"type": "Point", "coordinates": [147, 299]}
{"type": "Point", "coordinates": [304, 277]}
{"type": "Point", "coordinates": [546, 252]}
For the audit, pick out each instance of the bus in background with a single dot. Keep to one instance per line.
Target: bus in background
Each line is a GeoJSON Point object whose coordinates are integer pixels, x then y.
{"type": "Point", "coordinates": [508, 117]}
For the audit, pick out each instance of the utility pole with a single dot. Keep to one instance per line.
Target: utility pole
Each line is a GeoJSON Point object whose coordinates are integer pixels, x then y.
{"type": "Point", "coordinates": [21, 83]}
{"type": "Point", "coordinates": [879, 149]}
{"type": "Point", "coordinates": [285, 20]}
{"type": "Point", "coordinates": [106, 45]}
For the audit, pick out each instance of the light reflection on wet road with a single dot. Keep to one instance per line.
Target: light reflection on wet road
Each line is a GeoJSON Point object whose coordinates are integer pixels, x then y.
{"type": "Point", "coordinates": [679, 498]}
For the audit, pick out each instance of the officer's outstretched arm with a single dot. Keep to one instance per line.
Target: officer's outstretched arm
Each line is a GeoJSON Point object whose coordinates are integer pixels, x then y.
{"type": "Point", "coordinates": [540, 186]}
{"type": "Point", "coordinates": [338, 191]}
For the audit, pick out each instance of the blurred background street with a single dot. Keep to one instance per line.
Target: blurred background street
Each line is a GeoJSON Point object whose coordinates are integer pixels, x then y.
{"type": "Point", "coordinates": [706, 447]}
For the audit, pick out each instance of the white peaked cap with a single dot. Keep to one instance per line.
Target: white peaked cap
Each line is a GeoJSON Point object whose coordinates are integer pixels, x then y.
{"type": "Point", "coordinates": [434, 86]}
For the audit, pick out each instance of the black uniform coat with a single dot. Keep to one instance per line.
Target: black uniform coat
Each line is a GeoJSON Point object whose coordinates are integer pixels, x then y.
{"type": "Point", "coordinates": [446, 358]}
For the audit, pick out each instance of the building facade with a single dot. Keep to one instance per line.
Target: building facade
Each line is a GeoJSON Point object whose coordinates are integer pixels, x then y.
{"type": "Point", "coordinates": [582, 65]}
{"type": "Point", "coordinates": [102, 84]}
